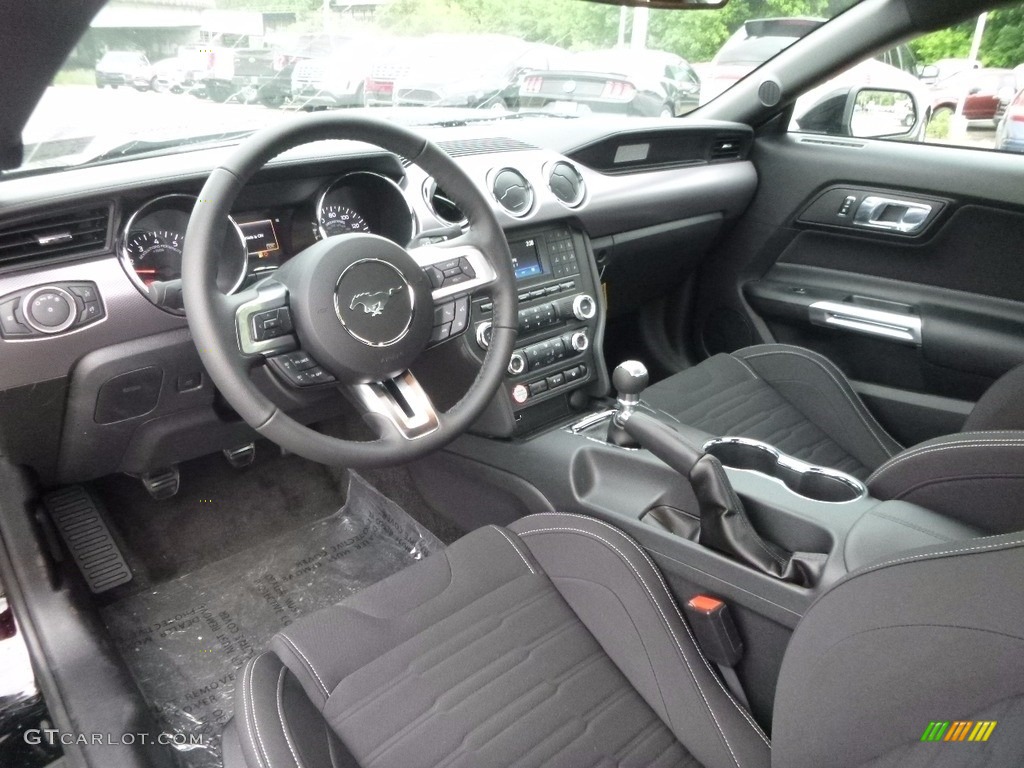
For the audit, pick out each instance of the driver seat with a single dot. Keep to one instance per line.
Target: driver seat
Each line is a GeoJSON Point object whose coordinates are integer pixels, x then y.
{"type": "Point", "coordinates": [556, 642]}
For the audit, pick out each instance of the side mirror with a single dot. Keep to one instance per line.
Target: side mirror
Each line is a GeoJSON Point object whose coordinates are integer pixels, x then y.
{"type": "Point", "coordinates": [873, 113]}
{"type": "Point", "coordinates": [928, 74]}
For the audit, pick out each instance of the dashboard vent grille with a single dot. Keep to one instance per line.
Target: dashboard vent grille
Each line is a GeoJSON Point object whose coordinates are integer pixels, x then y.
{"type": "Point", "coordinates": [726, 148]}
{"type": "Point", "coordinates": [512, 191]}
{"type": "Point", "coordinates": [443, 206]}
{"type": "Point", "coordinates": [566, 183]}
{"type": "Point", "coordinates": [70, 234]}
{"type": "Point", "coordinates": [463, 147]}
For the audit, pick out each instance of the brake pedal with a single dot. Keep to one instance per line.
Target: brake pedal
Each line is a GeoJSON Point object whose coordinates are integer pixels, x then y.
{"type": "Point", "coordinates": [162, 483]}
{"type": "Point", "coordinates": [240, 457]}
{"type": "Point", "coordinates": [87, 537]}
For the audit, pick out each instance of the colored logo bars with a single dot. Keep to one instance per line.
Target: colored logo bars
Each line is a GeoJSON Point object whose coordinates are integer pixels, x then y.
{"type": "Point", "coordinates": [958, 730]}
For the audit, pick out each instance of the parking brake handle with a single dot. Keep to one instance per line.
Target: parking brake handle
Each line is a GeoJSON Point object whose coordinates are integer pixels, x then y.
{"type": "Point", "coordinates": [724, 524]}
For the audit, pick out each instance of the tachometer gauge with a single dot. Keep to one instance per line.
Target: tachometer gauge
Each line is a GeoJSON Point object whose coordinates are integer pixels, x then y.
{"type": "Point", "coordinates": [155, 255]}
{"type": "Point", "coordinates": [340, 220]}
{"type": "Point", "coordinates": [150, 247]}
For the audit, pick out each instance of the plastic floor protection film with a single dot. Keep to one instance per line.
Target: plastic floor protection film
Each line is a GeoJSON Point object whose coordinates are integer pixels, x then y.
{"type": "Point", "coordinates": [187, 639]}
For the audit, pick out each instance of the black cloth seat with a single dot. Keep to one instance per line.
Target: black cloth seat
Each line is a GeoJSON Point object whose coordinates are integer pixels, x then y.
{"type": "Point", "coordinates": [801, 403]}
{"type": "Point", "coordinates": [556, 642]}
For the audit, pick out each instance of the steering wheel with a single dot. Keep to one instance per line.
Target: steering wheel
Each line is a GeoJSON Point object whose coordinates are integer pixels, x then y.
{"type": "Point", "coordinates": [359, 305]}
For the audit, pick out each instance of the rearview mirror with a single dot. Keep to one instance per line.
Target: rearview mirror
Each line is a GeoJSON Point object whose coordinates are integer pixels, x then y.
{"type": "Point", "coordinates": [874, 113]}
{"type": "Point", "coordinates": [671, 5]}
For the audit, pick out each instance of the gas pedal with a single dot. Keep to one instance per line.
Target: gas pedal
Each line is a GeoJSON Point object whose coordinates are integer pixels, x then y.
{"type": "Point", "coordinates": [87, 538]}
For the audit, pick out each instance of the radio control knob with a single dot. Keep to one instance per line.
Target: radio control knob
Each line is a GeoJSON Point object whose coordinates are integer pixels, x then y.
{"type": "Point", "coordinates": [483, 334]}
{"type": "Point", "coordinates": [517, 363]}
{"type": "Point", "coordinates": [584, 307]}
{"type": "Point", "coordinates": [579, 341]}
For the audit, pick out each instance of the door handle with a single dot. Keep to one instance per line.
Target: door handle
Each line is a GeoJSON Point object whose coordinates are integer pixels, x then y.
{"type": "Point", "coordinates": [872, 322]}
{"type": "Point", "coordinates": [892, 214]}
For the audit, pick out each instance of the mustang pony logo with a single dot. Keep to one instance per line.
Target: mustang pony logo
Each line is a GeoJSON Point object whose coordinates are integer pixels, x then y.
{"type": "Point", "coordinates": [373, 302]}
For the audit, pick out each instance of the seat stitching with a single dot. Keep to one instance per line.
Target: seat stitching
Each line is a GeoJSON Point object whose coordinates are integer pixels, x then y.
{"type": "Point", "coordinates": [258, 743]}
{"type": "Point", "coordinates": [856, 410]}
{"type": "Point", "coordinates": [905, 524]}
{"type": "Point", "coordinates": [925, 555]}
{"type": "Point", "coordinates": [309, 664]}
{"type": "Point", "coordinates": [512, 544]}
{"type": "Point", "coordinates": [744, 363]}
{"type": "Point", "coordinates": [746, 716]}
{"type": "Point", "coordinates": [664, 618]}
{"type": "Point", "coordinates": [915, 452]}
{"type": "Point", "coordinates": [280, 716]}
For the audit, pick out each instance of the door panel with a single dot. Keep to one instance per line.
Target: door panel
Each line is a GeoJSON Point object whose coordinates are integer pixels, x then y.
{"type": "Point", "coordinates": [922, 308]}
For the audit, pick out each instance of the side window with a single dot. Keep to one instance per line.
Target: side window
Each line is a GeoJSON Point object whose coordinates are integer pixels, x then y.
{"type": "Point", "coordinates": [961, 86]}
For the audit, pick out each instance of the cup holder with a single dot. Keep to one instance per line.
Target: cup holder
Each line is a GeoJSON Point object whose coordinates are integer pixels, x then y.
{"type": "Point", "coordinates": [816, 483]}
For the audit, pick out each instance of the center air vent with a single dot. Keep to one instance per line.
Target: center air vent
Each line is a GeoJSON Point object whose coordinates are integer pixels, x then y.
{"type": "Point", "coordinates": [442, 205]}
{"type": "Point", "coordinates": [566, 183]}
{"type": "Point", "coordinates": [66, 235]}
{"type": "Point", "coordinates": [512, 191]}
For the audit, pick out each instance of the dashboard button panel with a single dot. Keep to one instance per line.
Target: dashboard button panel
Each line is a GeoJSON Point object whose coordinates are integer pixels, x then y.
{"type": "Point", "coordinates": [49, 310]}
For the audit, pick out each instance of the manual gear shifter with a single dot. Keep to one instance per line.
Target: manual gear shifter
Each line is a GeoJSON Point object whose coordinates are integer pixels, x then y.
{"type": "Point", "coordinates": [629, 379]}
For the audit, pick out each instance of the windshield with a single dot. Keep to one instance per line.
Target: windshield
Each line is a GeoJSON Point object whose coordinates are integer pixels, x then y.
{"type": "Point", "coordinates": [168, 75]}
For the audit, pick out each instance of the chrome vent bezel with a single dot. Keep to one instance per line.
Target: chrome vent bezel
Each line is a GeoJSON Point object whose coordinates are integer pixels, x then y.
{"type": "Point", "coordinates": [430, 192]}
{"type": "Point", "coordinates": [581, 194]}
{"type": "Point", "coordinates": [532, 197]}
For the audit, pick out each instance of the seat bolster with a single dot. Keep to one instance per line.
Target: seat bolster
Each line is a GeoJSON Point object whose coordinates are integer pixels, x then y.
{"type": "Point", "coordinates": [931, 635]}
{"type": "Point", "coordinates": [397, 608]}
{"type": "Point", "coordinates": [619, 595]}
{"type": "Point", "coordinates": [276, 725]}
{"type": "Point", "coordinates": [975, 477]}
{"type": "Point", "coordinates": [813, 384]}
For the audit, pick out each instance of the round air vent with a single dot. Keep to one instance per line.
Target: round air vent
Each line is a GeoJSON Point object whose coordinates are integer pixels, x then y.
{"type": "Point", "coordinates": [566, 183]}
{"type": "Point", "coordinates": [442, 206]}
{"type": "Point", "coordinates": [512, 191]}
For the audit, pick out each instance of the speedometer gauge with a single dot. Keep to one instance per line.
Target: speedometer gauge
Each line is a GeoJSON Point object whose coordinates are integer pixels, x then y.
{"type": "Point", "coordinates": [340, 220]}
{"type": "Point", "coordinates": [155, 254]}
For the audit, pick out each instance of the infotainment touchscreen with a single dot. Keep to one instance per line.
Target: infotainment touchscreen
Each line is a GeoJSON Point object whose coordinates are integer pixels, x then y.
{"type": "Point", "coordinates": [525, 258]}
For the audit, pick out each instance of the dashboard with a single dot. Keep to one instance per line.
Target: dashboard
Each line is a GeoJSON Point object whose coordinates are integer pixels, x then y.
{"type": "Point", "coordinates": [601, 217]}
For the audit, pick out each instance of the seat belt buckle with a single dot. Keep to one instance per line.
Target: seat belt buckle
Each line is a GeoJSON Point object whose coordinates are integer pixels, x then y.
{"type": "Point", "coordinates": [715, 630]}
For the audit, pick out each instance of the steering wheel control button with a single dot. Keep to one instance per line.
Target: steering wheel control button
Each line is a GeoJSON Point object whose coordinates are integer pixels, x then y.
{"type": "Point", "coordinates": [374, 302]}
{"type": "Point", "coordinates": [300, 370]}
{"type": "Point", "coordinates": [271, 324]}
{"type": "Point", "coordinates": [49, 309]}
{"type": "Point", "coordinates": [10, 324]}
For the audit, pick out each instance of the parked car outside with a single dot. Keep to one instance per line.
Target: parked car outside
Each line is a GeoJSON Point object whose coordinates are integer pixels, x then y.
{"type": "Point", "coordinates": [117, 68]}
{"type": "Point", "coordinates": [166, 75]}
{"type": "Point", "coordinates": [337, 78]}
{"type": "Point", "coordinates": [981, 89]}
{"type": "Point", "coordinates": [761, 39]}
{"type": "Point", "coordinates": [443, 79]}
{"type": "Point", "coordinates": [1010, 131]}
{"type": "Point", "coordinates": [623, 80]}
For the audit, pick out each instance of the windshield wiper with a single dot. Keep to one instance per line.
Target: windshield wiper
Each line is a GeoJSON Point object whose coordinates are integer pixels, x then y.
{"type": "Point", "coordinates": [143, 147]}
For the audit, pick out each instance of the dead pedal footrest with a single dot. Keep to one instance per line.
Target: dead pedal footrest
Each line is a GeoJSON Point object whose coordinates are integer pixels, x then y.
{"type": "Point", "coordinates": [87, 538]}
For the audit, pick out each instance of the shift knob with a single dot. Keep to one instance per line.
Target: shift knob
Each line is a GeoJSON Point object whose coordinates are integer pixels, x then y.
{"type": "Point", "coordinates": [630, 378]}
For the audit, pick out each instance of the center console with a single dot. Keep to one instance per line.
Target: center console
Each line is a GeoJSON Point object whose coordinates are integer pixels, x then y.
{"type": "Point", "coordinates": [561, 323]}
